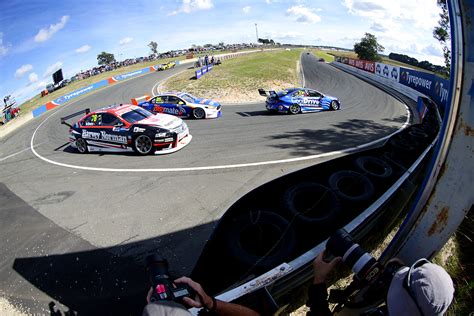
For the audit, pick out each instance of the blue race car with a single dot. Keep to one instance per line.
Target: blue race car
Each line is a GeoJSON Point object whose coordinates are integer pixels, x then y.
{"type": "Point", "coordinates": [182, 104]}
{"type": "Point", "coordinates": [299, 100]}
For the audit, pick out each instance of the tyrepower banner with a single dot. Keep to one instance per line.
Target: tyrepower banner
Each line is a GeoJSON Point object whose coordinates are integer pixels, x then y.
{"type": "Point", "coordinates": [387, 71]}
{"type": "Point", "coordinates": [362, 64]}
{"type": "Point", "coordinates": [433, 86]}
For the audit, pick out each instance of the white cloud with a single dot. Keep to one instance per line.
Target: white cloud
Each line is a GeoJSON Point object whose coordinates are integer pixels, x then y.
{"type": "Point", "coordinates": [125, 41]}
{"type": "Point", "coordinates": [3, 48]}
{"type": "Point", "coordinates": [189, 6]}
{"type": "Point", "coordinates": [46, 33]}
{"type": "Point", "coordinates": [268, 1]}
{"type": "Point", "coordinates": [33, 77]}
{"type": "Point", "coordinates": [246, 9]}
{"type": "Point", "coordinates": [284, 35]}
{"type": "Point", "coordinates": [20, 72]}
{"type": "Point", "coordinates": [303, 14]}
{"type": "Point", "coordinates": [377, 27]}
{"type": "Point", "coordinates": [49, 71]}
{"type": "Point", "coordinates": [83, 49]}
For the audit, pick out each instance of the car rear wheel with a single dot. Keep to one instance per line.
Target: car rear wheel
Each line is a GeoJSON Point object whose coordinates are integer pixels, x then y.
{"type": "Point", "coordinates": [81, 146]}
{"type": "Point", "coordinates": [199, 113]}
{"type": "Point", "coordinates": [334, 105]}
{"type": "Point", "coordinates": [294, 109]}
{"type": "Point", "coordinates": [143, 145]}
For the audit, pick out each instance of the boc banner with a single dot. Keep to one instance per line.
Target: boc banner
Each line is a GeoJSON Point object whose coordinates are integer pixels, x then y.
{"type": "Point", "coordinates": [387, 71]}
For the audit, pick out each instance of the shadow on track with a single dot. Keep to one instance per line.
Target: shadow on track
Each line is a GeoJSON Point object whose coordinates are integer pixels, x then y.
{"type": "Point", "coordinates": [343, 135]}
{"type": "Point", "coordinates": [87, 280]}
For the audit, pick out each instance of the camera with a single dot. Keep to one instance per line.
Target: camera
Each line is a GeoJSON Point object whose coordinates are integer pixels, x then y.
{"type": "Point", "coordinates": [164, 289]}
{"type": "Point", "coordinates": [371, 280]}
{"type": "Point", "coordinates": [364, 266]}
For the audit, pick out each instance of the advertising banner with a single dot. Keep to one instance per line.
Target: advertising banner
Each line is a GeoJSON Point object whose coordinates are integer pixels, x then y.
{"type": "Point", "coordinates": [198, 73]}
{"type": "Point", "coordinates": [131, 74]}
{"type": "Point", "coordinates": [433, 86]}
{"type": "Point", "coordinates": [387, 71]}
{"type": "Point", "coordinates": [81, 91]}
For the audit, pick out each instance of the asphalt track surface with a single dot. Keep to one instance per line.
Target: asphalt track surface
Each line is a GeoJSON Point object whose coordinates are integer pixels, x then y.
{"type": "Point", "coordinates": [75, 208]}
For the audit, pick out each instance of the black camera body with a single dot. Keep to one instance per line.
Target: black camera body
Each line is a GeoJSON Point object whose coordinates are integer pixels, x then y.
{"type": "Point", "coordinates": [164, 289]}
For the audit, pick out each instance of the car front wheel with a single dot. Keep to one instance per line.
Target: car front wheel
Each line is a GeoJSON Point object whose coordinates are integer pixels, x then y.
{"type": "Point", "coordinates": [199, 113]}
{"type": "Point", "coordinates": [143, 145]}
{"type": "Point", "coordinates": [334, 105]}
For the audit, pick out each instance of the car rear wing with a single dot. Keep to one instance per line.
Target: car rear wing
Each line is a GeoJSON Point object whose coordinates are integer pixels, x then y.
{"type": "Point", "coordinates": [83, 112]}
{"type": "Point", "coordinates": [270, 93]}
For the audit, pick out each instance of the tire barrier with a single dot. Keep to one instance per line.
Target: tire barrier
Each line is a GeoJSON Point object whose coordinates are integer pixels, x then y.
{"type": "Point", "coordinates": [351, 186]}
{"type": "Point", "coordinates": [375, 168]}
{"type": "Point", "coordinates": [401, 149]}
{"type": "Point", "coordinates": [261, 239]}
{"type": "Point", "coordinates": [312, 204]}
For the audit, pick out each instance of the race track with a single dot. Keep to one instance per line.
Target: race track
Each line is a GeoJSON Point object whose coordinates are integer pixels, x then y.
{"type": "Point", "coordinates": [130, 206]}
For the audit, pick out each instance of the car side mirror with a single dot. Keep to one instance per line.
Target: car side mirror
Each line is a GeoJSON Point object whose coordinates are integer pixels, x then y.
{"type": "Point", "coordinates": [180, 102]}
{"type": "Point", "coordinates": [119, 124]}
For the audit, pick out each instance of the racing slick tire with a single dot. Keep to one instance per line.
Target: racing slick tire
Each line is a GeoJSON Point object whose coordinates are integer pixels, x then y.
{"type": "Point", "coordinates": [81, 145]}
{"type": "Point", "coordinates": [351, 186]}
{"type": "Point", "coordinates": [294, 109]}
{"type": "Point", "coordinates": [199, 113]}
{"type": "Point", "coordinates": [374, 167]}
{"type": "Point", "coordinates": [312, 204]}
{"type": "Point", "coordinates": [143, 145]}
{"type": "Point", "coordinates": [335, 105]}
{"type": "Point", "coordinates": [261, 239]}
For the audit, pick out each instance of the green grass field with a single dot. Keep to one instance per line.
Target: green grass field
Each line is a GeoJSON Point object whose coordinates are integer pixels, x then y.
{"type": "Point", "coordinates": [238, 79]}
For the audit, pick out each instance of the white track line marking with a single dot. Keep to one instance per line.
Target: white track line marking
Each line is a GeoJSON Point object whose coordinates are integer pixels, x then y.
{"type": "Point", "coordinates": [17, 153]}
{"type": "Point", "coordinates": [233, 166]}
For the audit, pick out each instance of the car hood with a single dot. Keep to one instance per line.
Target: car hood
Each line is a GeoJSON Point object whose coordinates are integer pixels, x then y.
{"type": "Point", "coordinates": [163, 120]}
{"type": "Point", "coordinates": [207, 102]}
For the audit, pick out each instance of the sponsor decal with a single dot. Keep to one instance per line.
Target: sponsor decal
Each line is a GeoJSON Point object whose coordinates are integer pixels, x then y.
{"type": "Point", "coordinates": [378, 68]}
{"type": "Point", "coordinates": [441, 91]}
{"type": "Point", "coordinates": [385, 71]}
{"type": "Point", "coordinates": [138, 129]}
{"type": "Point", "coordinates": [418, 80]}
{"type": "Point", "coordinates": [104, 136]}
{"type": "Point", "coordinates": [310, 101]}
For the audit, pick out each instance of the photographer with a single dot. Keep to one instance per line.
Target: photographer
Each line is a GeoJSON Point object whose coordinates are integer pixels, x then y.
{"type": "Point", "coordinates": [422, 289]}
{"type": "Point", "coordinates": [200, 300]}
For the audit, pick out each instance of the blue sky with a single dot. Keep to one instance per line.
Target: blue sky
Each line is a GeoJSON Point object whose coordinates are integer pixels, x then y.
{"type": "Point", "coordinates": [39, 37]}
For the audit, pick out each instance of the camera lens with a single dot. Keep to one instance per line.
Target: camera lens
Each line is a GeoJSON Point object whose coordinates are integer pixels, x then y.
{"type": "Point", "coordinates": [342, 245]}
{"type": "Point", "coordinates": [156, 266]}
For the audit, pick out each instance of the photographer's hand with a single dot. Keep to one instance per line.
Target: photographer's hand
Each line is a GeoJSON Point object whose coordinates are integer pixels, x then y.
{"type": "Point", "coordinates": [322, 268]}
{"type": "Point", "coordinates": [211, 304]}
{"type": "Point", "coordinates": [201, 299]}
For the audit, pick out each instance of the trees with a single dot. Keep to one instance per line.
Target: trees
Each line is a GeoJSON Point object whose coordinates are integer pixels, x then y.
{"type": "Point", "coordinates": [105, 58]}
{"type": "Point", "coordinates": [368, 48]}
{"type": "Point", "coordinates": [442, 33]}
{"type": "Point", "coordinates": [154, 47]}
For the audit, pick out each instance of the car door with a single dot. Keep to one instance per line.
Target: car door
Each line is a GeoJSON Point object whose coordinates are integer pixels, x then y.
{"type": "Point", "coordinates": [312, 99]}
{"type": "Point", "coordinates": [174, 105]}
{"type": "Point", "coordinates": [104, 130]}
{"type": "Point", "coordinates": [157, 104]}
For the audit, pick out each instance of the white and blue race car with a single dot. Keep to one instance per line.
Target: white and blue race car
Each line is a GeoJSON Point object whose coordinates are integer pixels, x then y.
{"type": "Point", "coordinates": [182, 104]}
{"type": "Point", "coordinates": [299, 100]}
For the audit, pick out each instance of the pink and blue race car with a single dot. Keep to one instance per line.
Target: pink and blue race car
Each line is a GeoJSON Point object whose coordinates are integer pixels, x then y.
{"type": "Point", "coordinates": [299, 100]}
{"type": "Point", "coordinates": [182, 104]}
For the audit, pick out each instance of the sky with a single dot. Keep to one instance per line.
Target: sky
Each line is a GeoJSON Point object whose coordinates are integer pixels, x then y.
{"type": "Point", "coordinates": [39, 37]}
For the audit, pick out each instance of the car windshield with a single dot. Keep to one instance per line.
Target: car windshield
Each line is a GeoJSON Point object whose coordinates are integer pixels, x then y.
{"type": "Point", "coordinates": [188, 97]}
{"type": "Point", "coordinates": [136, 115]}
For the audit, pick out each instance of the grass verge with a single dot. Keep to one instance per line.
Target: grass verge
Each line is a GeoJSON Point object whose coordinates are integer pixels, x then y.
{"type": "Point", "coordinates": [237, 80]}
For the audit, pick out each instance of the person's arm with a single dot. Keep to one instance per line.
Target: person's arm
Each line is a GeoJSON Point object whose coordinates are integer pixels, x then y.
{"type": "Point", "coordinates": [317, 294]}
{"type": "Point", "coordinates": [211, 304]}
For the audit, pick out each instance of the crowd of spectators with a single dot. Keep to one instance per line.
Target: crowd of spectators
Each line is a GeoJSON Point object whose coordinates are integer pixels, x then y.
{"type": "Point", "coordinates": [208, 48]}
